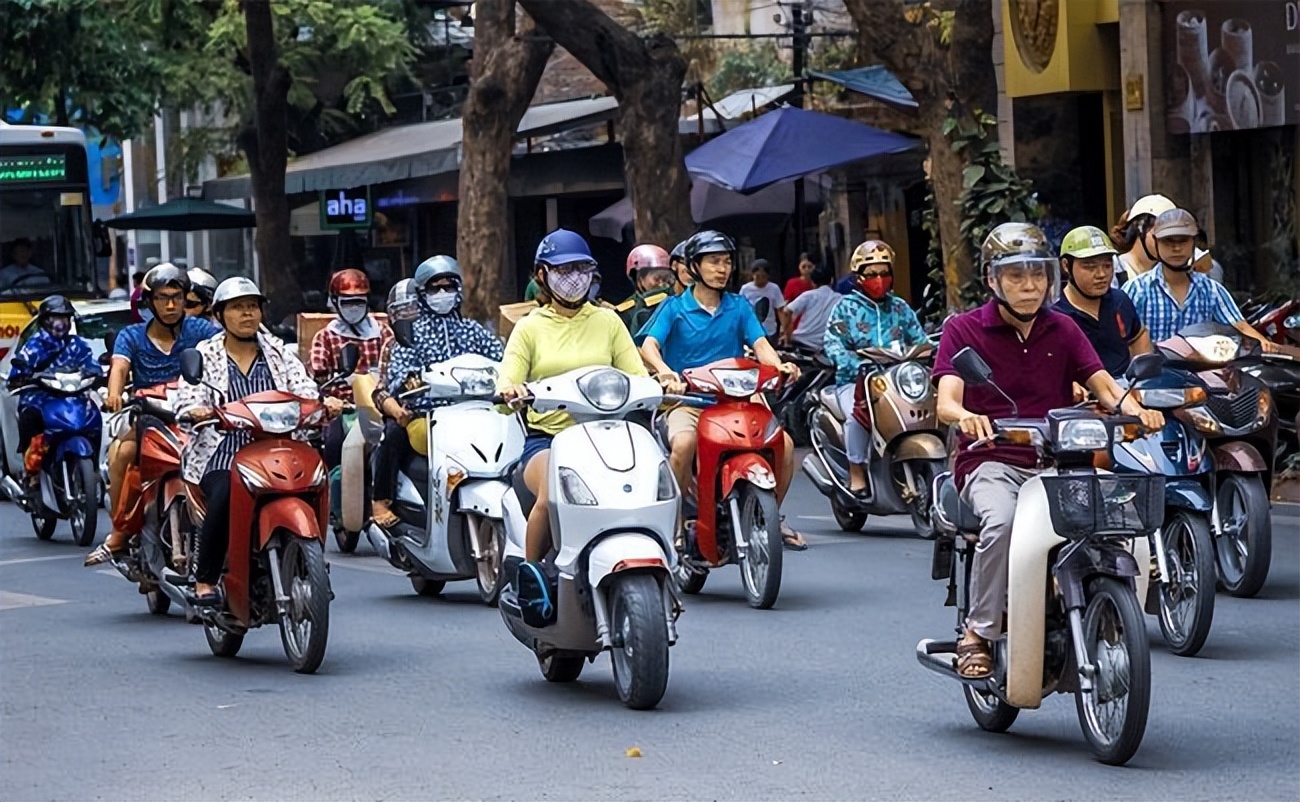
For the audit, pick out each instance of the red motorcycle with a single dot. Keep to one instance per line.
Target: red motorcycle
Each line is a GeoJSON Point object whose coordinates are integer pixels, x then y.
{"type": "Point", "coordinates": [159, 556]}
{"type": "Point", "coordinates": [279, 514]}
{"type": "Point", "coordinates": [740, 451]}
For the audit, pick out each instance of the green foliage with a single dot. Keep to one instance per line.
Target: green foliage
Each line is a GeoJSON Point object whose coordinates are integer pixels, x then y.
{"type": "Point", "coordinates": [756, 63]}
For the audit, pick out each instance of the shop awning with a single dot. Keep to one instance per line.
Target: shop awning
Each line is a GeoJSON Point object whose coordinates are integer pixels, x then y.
{"type": "Point", "coordinates": [407, 151]}
{"type": "Point", "coordinates": [874, 82]}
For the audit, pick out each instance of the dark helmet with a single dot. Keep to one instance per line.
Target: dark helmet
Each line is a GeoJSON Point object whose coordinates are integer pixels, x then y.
{"type": "Point", "coordinates": [679, 252]}
{"type": "Point", "coordinates": [55, 306]}
{"type": "Point", "coordinates": [702, 244]}
{"type": "Point", "coordinates": [160, 276]}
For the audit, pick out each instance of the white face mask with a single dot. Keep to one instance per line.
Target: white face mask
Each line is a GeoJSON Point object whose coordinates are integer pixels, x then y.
{"type": "Point", "coordinates": [352, 312]}
{"type": "Point", "coordinates": [442, 302]}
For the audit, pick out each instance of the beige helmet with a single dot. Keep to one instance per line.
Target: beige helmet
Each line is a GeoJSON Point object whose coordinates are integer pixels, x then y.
{"type": "Point", "coordinates": [1154, 205]}
{"type": "Point", "coordinates": [871, 252]}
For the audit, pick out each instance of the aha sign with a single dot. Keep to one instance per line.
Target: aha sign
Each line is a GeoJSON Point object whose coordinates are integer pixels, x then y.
{"type": "Point", "coordinates": [345, 208]}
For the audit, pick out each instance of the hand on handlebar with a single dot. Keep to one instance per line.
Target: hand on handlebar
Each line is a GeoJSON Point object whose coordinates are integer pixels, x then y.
{"type": "Point", "coordinates": [515, 396]}
{"type": "Point", "coordinates": [404, 417]}
{"type": "Point", "coordinates": [1153, 420]}
{"type": "Point", "coordinates": [113, 403]}
{"type": "Point", "coordinates": [977, 426]}
{"type": "Point", "coordinates": [197, 414]}
{"type": "Point", "coordinates": [671, 383]}
{"type": "Point", "coordinates": [333, 406]}
{"type": "Point", "coordinates": [790, 369]}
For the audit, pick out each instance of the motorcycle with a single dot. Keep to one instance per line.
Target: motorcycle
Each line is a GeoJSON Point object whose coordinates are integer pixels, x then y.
{"type": "Point", "coordinates": [739, 452]}
{"type": "Point", "coordinates": [349, 488]}
{"type": "Point", "coordinates": [614, 511]}
{"type": "Point", "coordinates": [1239, 421]}
{"type": "Point", "coordinates": [1073, 621]}
{"type": "Point", "coordinates": [1181, 594]}
{"type": "Point", "coordinates": [796, 400]}
{"type": "Point", "coordinates": [896, 404]}
{"type": "Point", "coordinates": [158, 559]}
{"type": "Point", "coordinates": [279, 511]}
{"type": "Point", "coordinates": [68, 486]}
{"type": "Point", "coordinates": [449, 499]}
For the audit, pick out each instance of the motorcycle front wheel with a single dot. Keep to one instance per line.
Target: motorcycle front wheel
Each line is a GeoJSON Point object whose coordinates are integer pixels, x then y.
{"type": "Point", "coordinates": [640, 634]}
{"type": "Point", "coordinates": [1113, 714]}
{"type": "Point", "coordinates": [305, 630]}
{"type": "Point", "coordinates": [760, 571]}
{"type": "Point", "coordinates": [491, 568]}
{"type": "Point", "coordinates": [83, 501]}
{"type": "Point", "coordinates": [849, 520]}
{"type": "Point", "coordinates": [1187, 594]}
{"type": "Point", "coordinates": [345, 540]}
{"type": "Point", "coordinates": [1244, 542]}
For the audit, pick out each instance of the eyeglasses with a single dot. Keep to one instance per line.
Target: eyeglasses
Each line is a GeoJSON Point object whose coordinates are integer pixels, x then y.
{"type": "Point", "coordinates": [193, 304]}
{"type": "Point", "coordinates": [170, 300]}
{"type": "Point", "coordinates": [875, 275]}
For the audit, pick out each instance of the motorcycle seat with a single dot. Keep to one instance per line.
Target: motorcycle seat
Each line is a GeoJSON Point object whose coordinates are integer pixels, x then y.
{"type": "Point", "coordinates": [958, 512]}
{"type": "Point", "coordinates": [526, 497]}
{"type": "Point", "coordinates": [832, 403]}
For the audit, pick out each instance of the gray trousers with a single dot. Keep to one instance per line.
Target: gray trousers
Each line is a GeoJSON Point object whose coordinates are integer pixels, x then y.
{"type": "Point", "coordinates": [991, 491]}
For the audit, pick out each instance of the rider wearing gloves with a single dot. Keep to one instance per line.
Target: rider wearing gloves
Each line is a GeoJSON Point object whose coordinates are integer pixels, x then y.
{"type": "Point", "coordinates": [566, 334]}
{"type": "Point", "coordinates": [52, 348]}
{"type": "Point", "coordinates": [1103, 312]}
{"type": "Point", "coordinates": [438, 334]}
{"type": "Point", "coordinates": [702, 326]}
{"type": "Point", "coordinates": [238, 362]}
{"type": "Point", "coordinates": [651, 274]}
{"type": "Point", "coordinates": [349, 297]}
{"type": "Point", "coordinates": [148, 354]}
{"type": "Point", "coordinates": [1036, 355]}
{"type": "Point", "coordinates": [876, 318]}
{"type": "Point", "coordinates": [198, 303]}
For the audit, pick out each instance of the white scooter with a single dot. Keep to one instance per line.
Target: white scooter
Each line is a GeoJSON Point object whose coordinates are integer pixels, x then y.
{"type": "Point", "coordinates": [614, 511]}
{"type": "Point", "coordinates": [449, 502]}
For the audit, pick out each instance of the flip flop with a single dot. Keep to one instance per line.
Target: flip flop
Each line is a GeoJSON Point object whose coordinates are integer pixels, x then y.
{"type": "Point", "coordinates": [792, 539]}
{"type": "Point", "coordinates": [214, 598]}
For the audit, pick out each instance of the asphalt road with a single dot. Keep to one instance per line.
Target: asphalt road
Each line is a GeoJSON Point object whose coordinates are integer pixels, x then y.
{"type": "Point", "coordinates": [820, 698]}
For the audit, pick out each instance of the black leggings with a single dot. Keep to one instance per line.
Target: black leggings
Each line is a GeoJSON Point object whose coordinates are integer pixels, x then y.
{"type": "Point", "coordinates": [394, 450]}
{"type": "Point", "coordinates": [214, 535]}
{"type": "Point", "coordinates": [333, 446]}
{"type": "Point", "coordinates": [30, 424]}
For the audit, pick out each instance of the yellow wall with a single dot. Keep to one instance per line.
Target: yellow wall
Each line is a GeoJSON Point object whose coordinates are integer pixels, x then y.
{"type": "Point", "coordinates": [1085, 57]}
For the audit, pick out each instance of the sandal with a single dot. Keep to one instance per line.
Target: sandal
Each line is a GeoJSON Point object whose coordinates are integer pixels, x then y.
{"type": "Point", "coordinates": [974, 660]}
{"type": "Point", "coordinates": [384, 518]}
{"type": "Point", "coordinates": [213, 598]}
{"type": "Point", "coordinates": [792, 539]}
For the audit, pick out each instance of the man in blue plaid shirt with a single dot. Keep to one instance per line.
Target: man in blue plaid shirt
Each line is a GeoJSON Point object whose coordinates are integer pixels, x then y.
{"type": "Point", "coordinates": [1172, 296]}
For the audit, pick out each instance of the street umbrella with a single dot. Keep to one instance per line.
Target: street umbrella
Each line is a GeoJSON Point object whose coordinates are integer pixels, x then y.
{"type": "Point", "coordinates": [184, 214]}
{"type": "Point", "coordinates": [788, 143]}
{"type": "Point", "coordinates": [711, 202]}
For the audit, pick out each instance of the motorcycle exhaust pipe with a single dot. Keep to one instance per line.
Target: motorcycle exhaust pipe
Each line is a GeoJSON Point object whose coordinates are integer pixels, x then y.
{"type": "Point", "coordinates": [11, 489]}
{"type": "Point", "coordinates": [816, 473]}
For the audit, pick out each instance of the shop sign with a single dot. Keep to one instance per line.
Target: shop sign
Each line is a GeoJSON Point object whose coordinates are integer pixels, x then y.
{"type": "Point", "coordinates": [345, 208]}
{"type": "Point", "coordinates": [1231, 65]}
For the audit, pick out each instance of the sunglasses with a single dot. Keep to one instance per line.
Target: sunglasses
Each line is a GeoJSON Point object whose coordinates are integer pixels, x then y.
{"type": "Point", "coordinates": [193, 304]}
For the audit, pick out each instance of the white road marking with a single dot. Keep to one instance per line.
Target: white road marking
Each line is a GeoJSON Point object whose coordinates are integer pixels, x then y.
{"type": "Point", "coordinates": [353, 565]}
{"type": "Point", "coordinates": [43, 559]}
{"type": "Point", "coordinates": [14, 601]}
{"type": "Point", "coordinates": [815, 517]}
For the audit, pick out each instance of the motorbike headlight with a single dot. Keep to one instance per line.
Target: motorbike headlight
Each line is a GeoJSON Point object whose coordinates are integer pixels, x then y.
{"type": "Point", "coordinates": [1203, 420]}
{"type": "Point", "coordinates": [1087, 434]}
{"type": "Point", "coordinates": [606, 390]}
{"type": "Point", "coordinates": [667, 483]}
{"type": "Point", "coordinates": [1292, 322]}
{"type": "Point", "coordinates": [738, 383]}
{"type": "Point", "coordinates": [575, 490]}
{"type": "Point", "coordinates": [476, 381]}
{"type": "Point", "coordinates": [912, 380]}
{"type": "Point", "coordinates": [1214, 347]}
{"type": "Point", "coordinates": [278, 418]}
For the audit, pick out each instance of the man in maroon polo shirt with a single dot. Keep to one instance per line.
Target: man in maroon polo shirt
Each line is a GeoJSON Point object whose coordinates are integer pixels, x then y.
{"type": "Point", "coordinates": [1036, 355]}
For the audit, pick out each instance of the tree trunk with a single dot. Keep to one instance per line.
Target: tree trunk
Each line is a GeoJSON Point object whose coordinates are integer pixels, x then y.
{"type": "Point", "coordinates": [646, 78]}
{"type": "Point", "coordinates": [267, 148]}
{"type": "Point", "coordinates": [958, 77]}
{"type": "Point", "coordinates": [504, 74]}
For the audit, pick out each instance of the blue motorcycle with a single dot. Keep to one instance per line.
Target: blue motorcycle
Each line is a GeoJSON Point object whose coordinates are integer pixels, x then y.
{"type": "Point", "coordinates": [1182, 597]}
{"type": "Point", "coordinates": [69, 482]}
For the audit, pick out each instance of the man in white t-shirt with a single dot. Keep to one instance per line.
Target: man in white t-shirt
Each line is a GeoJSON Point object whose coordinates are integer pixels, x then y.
{"type": "Point", "coordinates": [811, 310]}
{"type": "Point", "coordinates": [761, 287]}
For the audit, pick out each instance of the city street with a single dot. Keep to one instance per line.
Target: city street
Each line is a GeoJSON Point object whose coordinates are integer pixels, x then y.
{"type": "Point", "coordinates": [820, 698]}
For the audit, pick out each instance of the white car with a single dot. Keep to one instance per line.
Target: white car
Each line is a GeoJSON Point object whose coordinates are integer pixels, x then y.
{"type": "Point", "coordinates": [95, 319]}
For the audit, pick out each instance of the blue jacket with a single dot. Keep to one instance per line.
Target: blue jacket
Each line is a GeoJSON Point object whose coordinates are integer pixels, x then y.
{"type": "Point", "coordinates": [44, 352]}
{"type": "Point", "coordinates": [871, 325]}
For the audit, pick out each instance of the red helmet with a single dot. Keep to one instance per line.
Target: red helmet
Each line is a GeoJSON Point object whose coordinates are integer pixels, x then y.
{"type": "Point", "coordinates": [349, 282]}
{"type": "Point", "coordinates": [643, 256]}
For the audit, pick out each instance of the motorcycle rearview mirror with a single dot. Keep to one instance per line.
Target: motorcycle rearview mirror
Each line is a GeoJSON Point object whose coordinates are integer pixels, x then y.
{"type": "Point", "coordinates": [1145, 366]}
{"type": "Point", "coordinates": [349, 357]}
{"type": "Point", "coordinates": [972, 368]}
{"type": "Point", "coordinates": [191, 366]}
{"type": "Point", "coordinates": [761, 308]}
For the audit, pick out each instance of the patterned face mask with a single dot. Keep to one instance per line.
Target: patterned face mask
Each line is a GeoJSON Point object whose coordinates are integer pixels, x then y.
{"type": "Point", "coordinates": [570, 285]}
{"type": "Point", "coordinates": [58, 326]}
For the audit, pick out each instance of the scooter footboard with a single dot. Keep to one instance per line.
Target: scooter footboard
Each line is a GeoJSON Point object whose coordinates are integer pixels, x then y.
{"type": "Point", "coordinates": [624, 552]}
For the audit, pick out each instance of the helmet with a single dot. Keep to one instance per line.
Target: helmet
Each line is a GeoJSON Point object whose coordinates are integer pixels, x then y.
{"type": "Point", "coordinates": [871, 252]}
{"type": "Point", "coordinates": [202, 284]}
{"type": "Point", "coordinates": [55, 306]}
{"type": "Point", "coordinates": [1086, 242]}
{"type": "Point", "coordinates": [1019, 245]}
{"type": "Point", "coordinates": [1176, 223]}
{"type": "Point", "coordinates": [436, 267]}
{"type": "Point", "coordinates": [706, 242]}
{"type": "Point", "coordinates": [562, 247]}
{"type": "Point", "coordinates": [679, 252]}
{"type": "Point", "coordinates": [349, 282]}
{"type": "Point", "coordinates": [647, 256]}
{"type": "Point", "coordinates": [1154, 205]}
{"type": "Point", "coordinates": [232, 288]}
{"type": "Point", "coordinates": [164, 275]}
{"type": "Point", "coordinates": [403, 307]}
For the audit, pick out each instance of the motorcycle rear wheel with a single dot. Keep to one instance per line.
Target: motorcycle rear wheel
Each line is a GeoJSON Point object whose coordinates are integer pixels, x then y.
{"type": "Point", "coordinates": [760, 571]}
{"type": "Point", "coordinates": [427, 587]}
{"type": "Point", "coordinates": [1113, 715]}
{"type": "Point", "coordinates": [159, 603]}
{"type": "Point", "coordinates": [848, 520]}
{"type": "Point", "coordinates": [305, 631]}
{"type": "Point", "coordinates": [83, 502]}
{"type": "Point", "coordinates": [1244, 544]}
{"type": "Point", "coordinates": [640, 653]}
{"type": "Point", "coordinates": [990, 713]}
{"type": "Point", "coordinates": [1187, 595]}
{"type": "Point", "coordinates": [345, 540]}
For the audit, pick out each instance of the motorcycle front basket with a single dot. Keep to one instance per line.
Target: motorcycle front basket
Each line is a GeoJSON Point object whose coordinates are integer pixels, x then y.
{"type": "Point", "coordinates": [1084, 504]}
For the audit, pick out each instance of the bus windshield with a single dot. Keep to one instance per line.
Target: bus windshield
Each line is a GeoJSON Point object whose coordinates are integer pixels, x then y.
{"type": "Point", "coordinates": [45, 230]}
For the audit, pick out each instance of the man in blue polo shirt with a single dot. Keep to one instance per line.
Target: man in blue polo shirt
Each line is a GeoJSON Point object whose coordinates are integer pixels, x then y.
{"type": "Point", "coordinates": [1105, 313]}
{"type": "Point", "coordinates": [702, 325]}
{"type": "Point", "coordinates": [1172, 296]}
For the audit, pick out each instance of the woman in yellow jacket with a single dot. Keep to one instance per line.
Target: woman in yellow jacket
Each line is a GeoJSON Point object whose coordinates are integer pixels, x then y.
{"type": "Point", "coordinates": [565, 334]}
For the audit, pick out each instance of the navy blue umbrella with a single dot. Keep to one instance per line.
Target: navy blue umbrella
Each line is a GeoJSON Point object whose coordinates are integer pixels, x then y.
{"type": "Point", "coordinates": [787, 143]}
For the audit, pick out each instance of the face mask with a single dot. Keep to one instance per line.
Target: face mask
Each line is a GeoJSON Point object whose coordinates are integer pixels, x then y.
{"type": "Point", "coordinates": [442, 302]}
{"type": "Point", "coordinates": [58, 326]}
{"type": "Point", "coordinates": [353, 312]}
{"type": "Point", "coordinates": [569, 285]}
{"type": "Point", "coordinates": [876, 287]}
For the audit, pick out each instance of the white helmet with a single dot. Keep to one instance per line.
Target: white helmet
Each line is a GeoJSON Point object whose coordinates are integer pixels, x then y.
{"type": "Point", "coordinates": [202, 284]}
{"type": "Point", "coordinates": [232, 288]}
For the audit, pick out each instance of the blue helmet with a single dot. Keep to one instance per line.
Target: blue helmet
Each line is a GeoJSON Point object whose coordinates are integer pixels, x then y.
{"type": "Point", "coordinates": [436, 267]}
{"type": "Point", "coordinates": [562, 247]}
